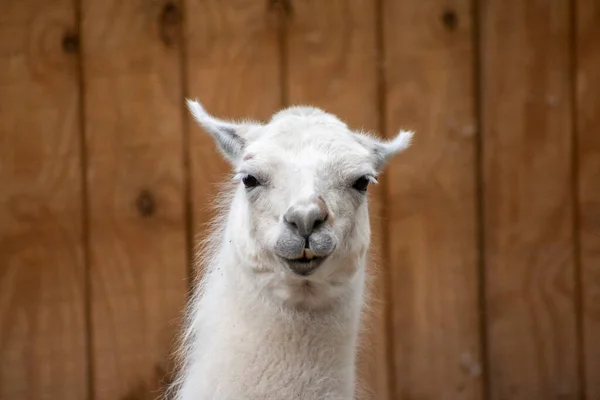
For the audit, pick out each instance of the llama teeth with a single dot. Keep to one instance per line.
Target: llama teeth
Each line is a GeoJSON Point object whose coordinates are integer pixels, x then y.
{"type": "Point", "coordinates": [308, 254]}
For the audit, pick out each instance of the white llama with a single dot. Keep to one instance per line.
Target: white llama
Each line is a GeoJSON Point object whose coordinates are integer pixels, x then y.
{"type": "Point", "coordinates": [276, 314]}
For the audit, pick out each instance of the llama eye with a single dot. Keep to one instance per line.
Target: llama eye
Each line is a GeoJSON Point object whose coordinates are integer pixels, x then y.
{"type": "Point", "coordinates": [361, 184]}
{"type": "Point", "coordinates": [250, 181]}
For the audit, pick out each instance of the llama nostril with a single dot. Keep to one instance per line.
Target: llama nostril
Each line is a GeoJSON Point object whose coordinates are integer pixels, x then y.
{"type": "Point", "coordinates": [288, 220]}
{"type": "Point", "coordinates": [319, 221]}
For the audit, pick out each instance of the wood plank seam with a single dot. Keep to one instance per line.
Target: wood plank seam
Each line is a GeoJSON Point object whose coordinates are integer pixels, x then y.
{"type": "Point", "coordinates": [476, 18]}
{"type": "Point", "coordinates": [384, 214]}
{"type": "Point", "coordinates": [576, 213]}
{"type": "Point", "coordinates": [84, 204]}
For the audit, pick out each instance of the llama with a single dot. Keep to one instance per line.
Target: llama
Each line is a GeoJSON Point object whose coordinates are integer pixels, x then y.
{"type": "Point", "coordinates": [276, 314]}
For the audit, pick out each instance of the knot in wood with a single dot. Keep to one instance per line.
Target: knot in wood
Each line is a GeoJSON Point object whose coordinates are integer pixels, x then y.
{"type": "Point", "coordinates": [284, 6]}
{"type": "Point", "coordinates": [70, 43]}
{"type": "Point", "coordinates": [169, 21]}
{"type": "Point", "coordinates": [145, 203]}
{"type": "Point", "coordinates": [450, 20]}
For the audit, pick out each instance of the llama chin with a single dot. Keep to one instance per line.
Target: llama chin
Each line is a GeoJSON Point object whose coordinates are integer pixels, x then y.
{"type": "Point", "coordinates": [277, 312]}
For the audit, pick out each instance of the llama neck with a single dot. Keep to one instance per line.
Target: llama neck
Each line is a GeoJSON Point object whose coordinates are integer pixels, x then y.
{"type": "Point", "coordinates": [248, 346]}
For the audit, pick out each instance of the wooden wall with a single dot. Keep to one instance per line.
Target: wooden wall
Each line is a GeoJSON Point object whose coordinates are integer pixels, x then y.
{"type": "Point", "coordinates": [486, 233]}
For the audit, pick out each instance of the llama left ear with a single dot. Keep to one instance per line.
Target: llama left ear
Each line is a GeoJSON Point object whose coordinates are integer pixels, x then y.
{"type": "Point", "coordinates": [383, 150]}
{"type": "Point", "coordinates": [229, 136]}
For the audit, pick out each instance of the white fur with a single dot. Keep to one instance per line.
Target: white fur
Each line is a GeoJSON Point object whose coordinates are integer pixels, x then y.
{"type": "Point", "coordinates": [255, 330]}
{"type": "Point", "coordinates": [400, 142]}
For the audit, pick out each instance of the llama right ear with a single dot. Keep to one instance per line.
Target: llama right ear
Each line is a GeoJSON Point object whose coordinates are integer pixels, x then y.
{"type": "Point", "coordinates": [228, 135]}
{"type": "Point", "coordinates": [384, 150]}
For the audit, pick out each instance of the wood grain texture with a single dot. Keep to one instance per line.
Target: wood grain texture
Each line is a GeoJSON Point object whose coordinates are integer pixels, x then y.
{"type": "Point", "coordinates": [588, 154]}
{"type": "Point", "coordinates": [234, 71]}
{"type": "Point", "coordinates": [332, 59]}
{"type": "Point", "coordinates": [42, 290]}
{"type": "Point", "coordinates": [529, 243]}
{"type": "Point", "coordinates": [432, 202]}
{"type": "Point", "coordinates": [133, 111]}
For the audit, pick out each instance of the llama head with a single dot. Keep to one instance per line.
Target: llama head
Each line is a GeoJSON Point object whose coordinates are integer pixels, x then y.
{"type": "Point", "coordinates": [300, 205]}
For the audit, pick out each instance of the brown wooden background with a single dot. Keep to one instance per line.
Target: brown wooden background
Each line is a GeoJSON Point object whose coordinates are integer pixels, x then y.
{"type": "Point", "coordinates": [487, 230]}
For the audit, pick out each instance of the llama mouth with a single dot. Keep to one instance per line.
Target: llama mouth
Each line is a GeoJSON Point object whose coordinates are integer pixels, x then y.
{"type": "Point", "coordinates": [306, 264]}
{"type": "Point", "coordinates": [307, 256]}
{"type": "Point", "coordinates": [306, 260]}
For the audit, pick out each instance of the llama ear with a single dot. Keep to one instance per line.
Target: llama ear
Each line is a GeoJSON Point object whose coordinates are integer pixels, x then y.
{"type": "Point", "coordinates": [228, 135]}
{"type": "Point", "coordinates": [384, 150]}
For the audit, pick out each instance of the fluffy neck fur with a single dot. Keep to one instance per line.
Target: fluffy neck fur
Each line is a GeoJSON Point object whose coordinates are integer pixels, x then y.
{"type": "Point", "coordinates": [243, 343]}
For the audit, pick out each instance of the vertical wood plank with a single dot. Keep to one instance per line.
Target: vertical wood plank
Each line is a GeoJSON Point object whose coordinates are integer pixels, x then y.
{"type": "Point", "coordinates": [432, 201]}
{"type": "Point", "coordinates": [588, 153]}
{"type": "Point", "coordinates": [332, 63]}
{"type": "Point", "coordinates": [42, 289]}
{"type": "Point", "coordinates": [234, 70]}
{"type": "Point", "coordinates": [529, 243]}
{"type": "Point", "coordinates": [133, 110]}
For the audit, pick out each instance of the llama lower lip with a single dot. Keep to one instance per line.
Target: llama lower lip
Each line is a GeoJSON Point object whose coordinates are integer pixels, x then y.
{"type": "Point", "coordinates": [304, 266]}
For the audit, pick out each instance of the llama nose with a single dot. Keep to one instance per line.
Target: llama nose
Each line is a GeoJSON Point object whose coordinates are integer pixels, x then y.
{"type": "Point", "coordinates": [305, 217]}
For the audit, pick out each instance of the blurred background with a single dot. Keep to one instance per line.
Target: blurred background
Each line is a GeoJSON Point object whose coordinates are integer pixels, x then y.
{"type": "Point", "coordinates": [486, 231]}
